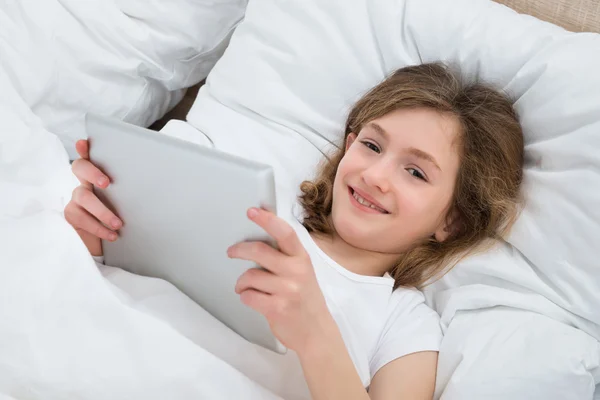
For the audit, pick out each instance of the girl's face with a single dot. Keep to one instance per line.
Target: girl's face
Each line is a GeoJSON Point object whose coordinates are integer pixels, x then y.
{"type": "Point", "coordinates": [394, 185]}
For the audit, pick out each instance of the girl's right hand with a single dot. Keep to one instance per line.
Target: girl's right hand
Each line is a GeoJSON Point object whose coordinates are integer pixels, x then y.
{"type": "Point", "coordinates": [91, 219]}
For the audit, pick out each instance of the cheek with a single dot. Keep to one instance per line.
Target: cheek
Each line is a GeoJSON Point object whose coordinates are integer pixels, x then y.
{"type": "Point", "coordinates": [348, 162]}
{"type": "Point", "coordinates": [345, 170]}
{"type": "Point", "coordinates": [412, 214]}
{"type": "Point", "coordinates": [338, 182]}
{"type": "Point", "coordinates": [338, 187]}
{"type": "Point", "coordinates": [420, 211]}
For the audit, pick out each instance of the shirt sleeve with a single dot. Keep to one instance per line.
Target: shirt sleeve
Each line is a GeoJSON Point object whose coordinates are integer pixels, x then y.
{"type": "Point", "coordinates": [411, 327]}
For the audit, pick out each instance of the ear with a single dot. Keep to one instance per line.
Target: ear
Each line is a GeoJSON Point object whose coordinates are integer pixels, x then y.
{"type": "Point", "coordinates": [451, 226]}
{"type": "Point", "coordinates": [350, 139]}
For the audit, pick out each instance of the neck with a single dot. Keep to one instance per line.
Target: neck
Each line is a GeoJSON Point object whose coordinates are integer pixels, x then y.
{"type": "Point", "coordinates": [354, 259]}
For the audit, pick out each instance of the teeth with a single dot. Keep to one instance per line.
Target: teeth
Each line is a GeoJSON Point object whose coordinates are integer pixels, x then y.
{"type": "Point", "coordinates": [366, 203]}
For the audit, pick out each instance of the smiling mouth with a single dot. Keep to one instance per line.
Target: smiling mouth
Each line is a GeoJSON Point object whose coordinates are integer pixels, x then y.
{"type": "Point", "coordinates": [368, 206]}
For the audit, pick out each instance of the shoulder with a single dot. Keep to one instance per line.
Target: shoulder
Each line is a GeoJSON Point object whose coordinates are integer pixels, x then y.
{"type": "Point", "coordinates": [410, 327]}
{"type": "Point", "coordinates": [407, 307]}
{"type": "Point", "coordinates": [409, 301]}
{"type": "Point", "coordinates": [408, 314]}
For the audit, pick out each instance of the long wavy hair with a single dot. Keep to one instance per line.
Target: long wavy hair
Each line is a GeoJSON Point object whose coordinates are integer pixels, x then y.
{"type": "Point", "coordinates": [486, 198]}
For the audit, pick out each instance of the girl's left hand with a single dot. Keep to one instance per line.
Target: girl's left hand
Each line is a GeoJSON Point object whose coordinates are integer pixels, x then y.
{"type": "Point", "coordinates": [286, 292]}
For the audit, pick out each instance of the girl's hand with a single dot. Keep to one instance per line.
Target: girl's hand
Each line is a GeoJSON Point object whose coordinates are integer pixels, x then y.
{"type": "Point", "coordinates": [91, 219]}
{"type": "Point", "coordinates": [286, 292]}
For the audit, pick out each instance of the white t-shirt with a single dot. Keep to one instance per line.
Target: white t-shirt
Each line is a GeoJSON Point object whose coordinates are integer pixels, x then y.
{"type": "Point", "coordinates": [378, 324]}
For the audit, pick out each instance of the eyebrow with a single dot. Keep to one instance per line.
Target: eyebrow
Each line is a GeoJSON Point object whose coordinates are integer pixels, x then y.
{"type": "Point", "coordinates": [414, 151]}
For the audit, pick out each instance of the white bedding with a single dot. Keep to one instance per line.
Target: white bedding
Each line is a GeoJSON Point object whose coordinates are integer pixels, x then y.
{"type": "Point", "coordinates": [66, 331]}
{"type": "Point", "coordinates": [69, 331]}
{"type": "Point", "coordinates": [124, 58]}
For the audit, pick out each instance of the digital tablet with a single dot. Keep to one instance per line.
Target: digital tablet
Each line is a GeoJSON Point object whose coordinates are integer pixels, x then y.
{"type": "Point", "coordinates": [182, 206]}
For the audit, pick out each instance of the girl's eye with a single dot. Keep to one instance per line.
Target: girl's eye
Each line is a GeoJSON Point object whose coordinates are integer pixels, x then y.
{"type": "Point", "coordinates": [372, 146]}
{"type": "Point", "coordinates": [417, 174]}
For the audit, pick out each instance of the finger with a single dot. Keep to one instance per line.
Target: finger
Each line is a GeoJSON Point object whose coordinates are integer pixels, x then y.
{"type": "Point", "coordinates": [88, 174]}
{"type": "Point", "coordinates": [260, 253]}
{"type": "Point", "coordinates": [81, 219]}
{"type": "Point", "coordinates": [258, 301]}
{"type": "Point", "coordinates": [83, 148]}
{"type": "Point", "coordinates": [87, 200]}
{"type": "Point", "coordinates": [278, 229]}
{"type": "Point", "coordinates": [259, 279]}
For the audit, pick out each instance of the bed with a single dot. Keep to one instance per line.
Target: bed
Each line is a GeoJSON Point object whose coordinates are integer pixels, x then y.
{"type": "Point", "coordinates": [520, 322]}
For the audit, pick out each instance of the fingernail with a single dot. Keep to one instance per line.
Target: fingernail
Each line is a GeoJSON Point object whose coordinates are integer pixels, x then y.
{"type": "Point", "coordinates": [102, 181]}
{"type": "Point", "coordinates": [253, 212]}
{"type": "Point", "coordinates": [112, 237]}
{"type": "Point", "coordinates": [116, 223]}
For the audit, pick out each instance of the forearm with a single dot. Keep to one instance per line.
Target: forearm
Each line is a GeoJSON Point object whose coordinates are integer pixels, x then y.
{"type": "Point", "coordinates": [329, 370]}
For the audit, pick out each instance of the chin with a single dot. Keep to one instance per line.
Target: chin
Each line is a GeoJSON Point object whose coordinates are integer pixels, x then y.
{"type": "Point", "coordinates": [359, 234]}
{"type": "Point", "coordinates": [353, 232]}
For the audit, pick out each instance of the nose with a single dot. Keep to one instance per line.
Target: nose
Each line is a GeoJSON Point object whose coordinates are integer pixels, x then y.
{"type": "Point", "coordinates": [378, 175]}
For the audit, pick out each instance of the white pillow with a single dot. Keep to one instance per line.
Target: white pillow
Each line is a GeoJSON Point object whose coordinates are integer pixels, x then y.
{"type": "Point", "coordinates": [477, 358]}
{"type": "Point", "coordinates": [127, 59]}
{"type": "Point", "coordinates": [295, 69]}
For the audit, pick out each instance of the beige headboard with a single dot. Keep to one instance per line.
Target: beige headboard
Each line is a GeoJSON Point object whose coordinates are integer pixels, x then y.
{"type": "Point", "coordinates": [573, 15]}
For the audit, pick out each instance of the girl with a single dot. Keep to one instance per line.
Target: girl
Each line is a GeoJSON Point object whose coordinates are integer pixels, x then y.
{"type": "Point", "coordinates": [429, 171]}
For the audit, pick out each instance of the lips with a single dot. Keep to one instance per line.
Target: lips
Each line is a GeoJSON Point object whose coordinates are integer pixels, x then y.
{"type": "Point", "coordinates": [365, 202]}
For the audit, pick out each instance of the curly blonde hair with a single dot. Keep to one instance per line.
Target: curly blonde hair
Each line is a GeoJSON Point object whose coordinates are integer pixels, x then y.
{"type": "Point", "coordinates": [486, 196]}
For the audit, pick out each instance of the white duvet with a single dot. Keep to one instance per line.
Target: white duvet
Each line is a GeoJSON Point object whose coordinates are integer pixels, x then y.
{"type": "Point", "coordinates": [67, 331]}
